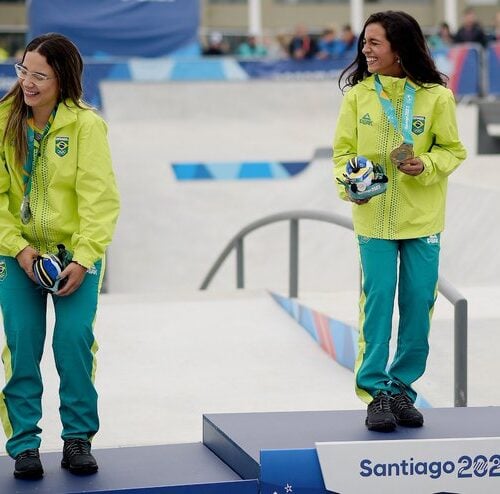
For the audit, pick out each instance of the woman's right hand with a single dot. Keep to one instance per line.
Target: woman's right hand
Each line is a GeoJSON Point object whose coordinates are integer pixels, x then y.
{"type": "Point", "coordinates": [25, 259]}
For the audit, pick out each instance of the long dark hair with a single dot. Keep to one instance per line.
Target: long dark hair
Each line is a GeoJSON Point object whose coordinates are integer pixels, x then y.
{"type": "Point", "coordinates": [64, 58]}
{"type": "Point", "coordinates": [406, 38]}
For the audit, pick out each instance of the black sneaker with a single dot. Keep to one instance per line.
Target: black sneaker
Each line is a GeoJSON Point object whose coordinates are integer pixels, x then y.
{"type": "Point", "coordinates": [28, 465]}
{"type": "Point", "coordinates": [77, 457]}
{"type": "Point", "coordinates": [379, 416]}
{"type": "Point", "coordinates": [405, 412]}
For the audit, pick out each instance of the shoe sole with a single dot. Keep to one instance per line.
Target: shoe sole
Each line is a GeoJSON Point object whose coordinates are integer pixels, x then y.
{"type": "Point", "coordinates": [381, 426]}
{"type": "Point", "coordinates": [80, 470]}
{"type": "Point", "coordinates": [31, 475]}
{"type": "Point", "coordinates": [410, 423]}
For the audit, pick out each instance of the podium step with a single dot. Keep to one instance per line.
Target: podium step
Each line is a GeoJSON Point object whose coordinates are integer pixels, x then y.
{"type": "Point", "coordinates": [179, 468]}
{"type": "Point", "coordinates": [238, 438]}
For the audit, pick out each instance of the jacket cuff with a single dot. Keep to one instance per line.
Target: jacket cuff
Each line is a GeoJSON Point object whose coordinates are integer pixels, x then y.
{"type": "Point", "coordinates": [18, 246]}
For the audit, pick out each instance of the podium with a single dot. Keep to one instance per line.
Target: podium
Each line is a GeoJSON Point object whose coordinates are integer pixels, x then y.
{"type": "Point", "coordinates": [280, 448]}
{"type": "Point", "coordinates": [247, 453]}
{"type": "Point", "coordinates": [170, 469]}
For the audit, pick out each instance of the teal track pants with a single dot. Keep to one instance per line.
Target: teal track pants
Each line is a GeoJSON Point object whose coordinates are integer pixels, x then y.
{"type": "Point", "coordinates": [24, 307]}
{"type": "Point", "coordinates": [417, 290]}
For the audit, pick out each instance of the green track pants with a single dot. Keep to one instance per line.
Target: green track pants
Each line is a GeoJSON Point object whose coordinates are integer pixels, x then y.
{"type": "Point", "coordinates": [24, 307]}
{"type": "Point", "coordinates": [417, 291]}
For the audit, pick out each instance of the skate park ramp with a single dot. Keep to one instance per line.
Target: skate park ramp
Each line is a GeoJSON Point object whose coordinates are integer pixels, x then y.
{"type": "Point", "coordinates": [169, 353]}
{"type": "Point", "coordinates": [179, 228]}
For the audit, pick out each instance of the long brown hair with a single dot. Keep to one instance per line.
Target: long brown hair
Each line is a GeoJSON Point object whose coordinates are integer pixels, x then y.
{"type": "Point", "coordinates": [64, 58]}
{"type": "Point", "coordinates": [406, 38]}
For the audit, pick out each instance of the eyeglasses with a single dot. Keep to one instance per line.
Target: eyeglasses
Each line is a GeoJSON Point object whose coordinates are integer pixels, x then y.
{"type": "Point", "coordinates": [37, 78]}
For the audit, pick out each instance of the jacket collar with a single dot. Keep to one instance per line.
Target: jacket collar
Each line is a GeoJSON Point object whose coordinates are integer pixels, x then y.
{"type": "Point", "coordinates": [66, 114]}
{"type": "Point", "coordinates": [391, 85]}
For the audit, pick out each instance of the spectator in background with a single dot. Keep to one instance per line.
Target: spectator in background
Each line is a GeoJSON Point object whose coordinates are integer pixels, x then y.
{"type": "Point", "coordinates": [442, 39]}
{"type": "Point", "coordinates": [216, 45]}
{"type": "Point", "coordinates": [277, 46]}
{"type": "Point", "coordinates": [348, 42]}
{"type": "Point", "coordinates": [470, 31]}
{"type": "Point", "coordinates": [495, 35]}
{"type": "Point", "coordinates": [302, 45]}
{"type": "Point", "coordinates": [251, 48]}
{"type": "Point", "coordinates": [328, 44]}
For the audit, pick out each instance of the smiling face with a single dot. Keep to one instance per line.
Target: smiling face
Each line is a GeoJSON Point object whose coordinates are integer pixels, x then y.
{"type": "Point", "coordinates": [39, 95]}
{"type": "Point", "coordinates": [380, 57]}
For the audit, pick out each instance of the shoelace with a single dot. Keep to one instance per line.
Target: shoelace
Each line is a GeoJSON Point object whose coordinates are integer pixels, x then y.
{"type": "Point", "coordinates": [29, 453]}
{"type": "Point", "coordinates": [77, 447]}
{"type": "Point", "coordinates": [380, 404]}
{"type": "Point", "coordinates": [402, 402]}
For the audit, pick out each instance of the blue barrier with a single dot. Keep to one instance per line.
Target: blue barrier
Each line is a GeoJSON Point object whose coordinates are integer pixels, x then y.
{"type": "Point", "coordinates": [465, 76]}
{"type": "Point", "coordinates": [493, 64]}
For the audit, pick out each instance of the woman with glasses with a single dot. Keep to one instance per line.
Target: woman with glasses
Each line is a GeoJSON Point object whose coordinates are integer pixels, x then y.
{"type": "Point", "coordinates": [57, 194]}
{"type": "Point", "coordinates": [399, 114]}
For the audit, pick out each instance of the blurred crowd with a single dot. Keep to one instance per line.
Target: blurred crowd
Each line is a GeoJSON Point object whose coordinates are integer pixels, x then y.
{"type": "Point", "coordinates": [338, 43]}
{"type": "Point", "coordinates": [299, 45]}
{"type": "Point", "coordinates": [470, 31]}
{"type": "Point", "coordinates": [332, 42]}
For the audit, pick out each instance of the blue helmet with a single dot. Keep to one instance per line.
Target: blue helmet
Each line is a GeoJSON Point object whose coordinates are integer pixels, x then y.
{"type": "Point", "coordinates": [46, 270]}
{"type": "Point", "coordinates": [363, 179]}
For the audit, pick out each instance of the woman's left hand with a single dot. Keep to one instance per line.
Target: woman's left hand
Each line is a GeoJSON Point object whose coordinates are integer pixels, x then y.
{"type": "Point", "coordinates": [411, 166]}
{"type": "Point", "coordinates": [74, 274]}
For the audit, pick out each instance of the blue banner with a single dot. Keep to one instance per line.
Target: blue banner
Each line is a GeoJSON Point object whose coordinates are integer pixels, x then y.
{"type": "Point", "coordinates": [131, 28]}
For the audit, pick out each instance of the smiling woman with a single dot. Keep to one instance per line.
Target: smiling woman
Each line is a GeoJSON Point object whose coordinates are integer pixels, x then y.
{"type": "Point", "coordinates": [398, 114]}
{"type": "Point", "coordinates": [58, 209]}
{"type": "Point", "coordinates": [40, 86]}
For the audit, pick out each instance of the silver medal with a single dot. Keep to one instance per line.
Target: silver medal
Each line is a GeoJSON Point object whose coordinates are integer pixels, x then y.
{"type": "Point", "coordinates": [25, 211]}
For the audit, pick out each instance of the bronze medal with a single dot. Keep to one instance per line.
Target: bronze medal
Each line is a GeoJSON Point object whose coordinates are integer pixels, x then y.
{"type": "Point", "coordinates": [401, 153]}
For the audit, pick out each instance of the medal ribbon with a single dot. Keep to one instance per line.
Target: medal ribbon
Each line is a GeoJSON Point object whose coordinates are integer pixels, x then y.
{"type": "Point", "coordinates": [34, 143]}
{"type": "Point", "coordinates": [390, 112]}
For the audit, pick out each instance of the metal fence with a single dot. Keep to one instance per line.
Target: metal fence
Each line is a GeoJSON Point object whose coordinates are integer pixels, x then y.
{"type": "Point", "coordinates": [444, 287]}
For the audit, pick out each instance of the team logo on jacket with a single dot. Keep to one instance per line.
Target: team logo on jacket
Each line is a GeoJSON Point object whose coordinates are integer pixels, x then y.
{"type": "Point", "coordinates": [3, 270]}
{"type": "Point", "coordinates": [62, 146]}
{"type": "Point", "coordinates": [366, 119]}
{"type": "Point", "coordinates": [418, 125]}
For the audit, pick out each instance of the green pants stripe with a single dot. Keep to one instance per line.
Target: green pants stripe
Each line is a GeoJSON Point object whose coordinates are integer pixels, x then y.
{"type": "Point", "coordinates": [24, 307]}
{"type": "Point", "coordinates": [415, 277]}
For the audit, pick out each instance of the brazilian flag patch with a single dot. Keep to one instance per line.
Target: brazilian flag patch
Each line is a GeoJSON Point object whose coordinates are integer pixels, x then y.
{"type": "Point", "coordinates": [62, 146]}
{"type": "Point", "coordinates": [418, 125]}
{"type": "Point", "coordinates": [3, 270]}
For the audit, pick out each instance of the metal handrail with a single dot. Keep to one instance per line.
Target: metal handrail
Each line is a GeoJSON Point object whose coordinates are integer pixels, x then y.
{"type": "Point", "coordinates": [444, 286]}
{"type": "Point", "coordinates": [460, 318]}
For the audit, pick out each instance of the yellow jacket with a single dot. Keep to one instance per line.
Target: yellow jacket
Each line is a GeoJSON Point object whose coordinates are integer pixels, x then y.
{"type": "Point", "coordinates": [74, 199]}
{"type": "Point", "coordinates": [411, 207]}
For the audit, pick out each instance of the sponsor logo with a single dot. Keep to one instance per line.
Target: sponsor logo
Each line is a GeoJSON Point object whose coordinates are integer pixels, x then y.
{"type": "Point", "coordinates": [418, 125]}
{"type": "Point", "coordinates": [433, 239]}
{"type": "Point", "coordinates": [62, 146]}
{"type": "Point", "coordinates": [92, 270]}
{"type": "Point", "coordinates": [3, 270]}
{"type": "Point", "coordinates": [366, 119]}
